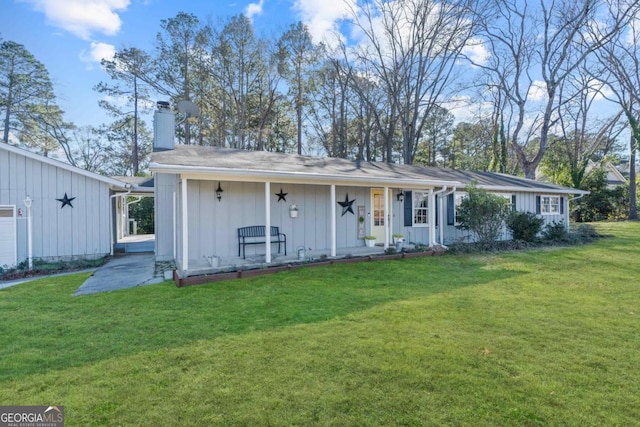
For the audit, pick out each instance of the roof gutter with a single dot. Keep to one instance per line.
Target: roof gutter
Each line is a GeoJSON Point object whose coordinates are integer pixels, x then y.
{"type": "Point", "coordinates": [297, 177]}
{"type": "Point", "coordinates": [533, 189]}
{"type": "Point", "coordinates": [573, 199]}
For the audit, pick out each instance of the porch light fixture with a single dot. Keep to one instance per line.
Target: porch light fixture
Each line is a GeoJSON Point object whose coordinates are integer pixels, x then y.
{"type": "Point", "coordinates": [219, 192]}
{"type": "Point", "coordinates": [400, 196]}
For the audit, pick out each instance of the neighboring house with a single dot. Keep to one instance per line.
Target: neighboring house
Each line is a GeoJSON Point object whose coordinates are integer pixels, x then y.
{"type": "Point", "coordinates": [614, 176]}
{"type": "Point", "coordinates": [71, 213]}
{"type": "Point", "coordinates": [205, 194]}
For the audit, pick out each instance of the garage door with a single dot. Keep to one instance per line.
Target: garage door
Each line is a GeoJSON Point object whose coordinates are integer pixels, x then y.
{"type": "Point", "coordinates": [8, 256]}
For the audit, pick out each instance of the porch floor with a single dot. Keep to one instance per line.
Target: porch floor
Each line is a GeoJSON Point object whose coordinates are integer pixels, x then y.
{"type": "Point", "coordinates": [202, 266]}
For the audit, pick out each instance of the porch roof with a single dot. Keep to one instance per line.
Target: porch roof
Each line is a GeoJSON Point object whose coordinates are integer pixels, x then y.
{"type": "Point", "coordinates": [200, 162]}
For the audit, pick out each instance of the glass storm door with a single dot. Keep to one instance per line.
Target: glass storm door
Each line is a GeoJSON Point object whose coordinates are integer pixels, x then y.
{"type": "Point", "coordinates": [378, 219]}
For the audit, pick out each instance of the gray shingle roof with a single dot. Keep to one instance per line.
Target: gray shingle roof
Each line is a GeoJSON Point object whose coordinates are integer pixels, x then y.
{"type": "Point", "coordinates": [269, 165]}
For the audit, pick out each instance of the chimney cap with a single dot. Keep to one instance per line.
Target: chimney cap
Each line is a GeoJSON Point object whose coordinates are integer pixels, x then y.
{"type": "Point", "coordinates": [162, 104]}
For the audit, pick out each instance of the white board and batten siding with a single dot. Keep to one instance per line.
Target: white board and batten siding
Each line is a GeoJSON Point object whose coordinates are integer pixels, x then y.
{"type": "Point", "coordinates": [213, 224]}
{"type": "Point", "coordinates": [524, 202]}
{"type": "Point", "coordinates": [79, 232]}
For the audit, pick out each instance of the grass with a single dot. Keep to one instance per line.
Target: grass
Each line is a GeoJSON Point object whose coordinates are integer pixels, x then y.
{"type": "Point", "coordinates": [544, 337]}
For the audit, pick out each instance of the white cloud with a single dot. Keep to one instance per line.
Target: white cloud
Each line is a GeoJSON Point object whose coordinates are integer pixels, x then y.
{"type": "Point", "coordinates": [83, 17]}
{"type": "Point", "coordinates": [599, 90]}
{"type": "Point", "coordinates": [254, 9]}
{"type": "Point", "coordinates": [322, 16]}
{"type": "Point", "coordinates": [476, 51]}
{"type": "Point", "coordinates": [465, 109]}
{"type": "Point", "coordinates": [537, 91]}
{"type": "Point", "coordinates": [97, 53]}
{"type": "Point", "coordinates": [100, 51]}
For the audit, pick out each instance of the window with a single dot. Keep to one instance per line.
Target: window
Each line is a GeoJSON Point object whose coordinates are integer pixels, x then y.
{"type": "Point", "coordinates": [550, 205]}
{"type": "Point", "coordinates": [457, 201]}
{"type": "Point", "coordinates": [420, 209]}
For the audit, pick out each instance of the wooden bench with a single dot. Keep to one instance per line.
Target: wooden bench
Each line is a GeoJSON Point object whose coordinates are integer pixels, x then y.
{"type": "Point", "coordinates": [257, 232]}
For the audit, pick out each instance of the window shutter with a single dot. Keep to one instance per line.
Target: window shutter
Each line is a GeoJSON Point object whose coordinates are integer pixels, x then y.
{"type": "Point", "coordinates": [451, 213]}
{"type": "Point", "coordinates": [513, 202]}
{"type": "Point", "coordinates": [561, 205]}
{"type": "Point", "coordinates": [437, 211]}
{"type": "Point", "coordinates": [538, 210]}
{"type": "Point", "coordinates": [408, 209]}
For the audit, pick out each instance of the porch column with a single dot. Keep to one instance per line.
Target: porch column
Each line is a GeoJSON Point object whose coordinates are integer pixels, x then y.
{"type": "Point", "coordinates": [185, 226]}
{"type": "Point", "coordinates": [267, 216]}
{"type": "Point", "coordinates": [333, 221]}
{"type": "Point", "coordinates": [387, 218]}
{"type": "Point", "coordinates": [440, 214]}
{"type": "Point", "coordinates": [432, 218]}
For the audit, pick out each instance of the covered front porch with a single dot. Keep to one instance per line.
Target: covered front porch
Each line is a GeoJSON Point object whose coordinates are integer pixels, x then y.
{"type": "Point", "coordinates": [331, 222]}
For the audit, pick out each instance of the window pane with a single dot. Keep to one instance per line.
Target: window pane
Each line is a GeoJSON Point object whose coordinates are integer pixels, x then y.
{"type": "Point", "coordinates": [421, 208]}
{"type": "Point", "coordinates": [378, 210]}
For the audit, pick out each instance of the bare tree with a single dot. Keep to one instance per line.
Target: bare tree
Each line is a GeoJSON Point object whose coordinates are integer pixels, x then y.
{"type": "Point", "coordinates": [554, 46]}
{"type": "Point", "coordinates": [582, 135]}
{"type": "Point", "coordinates": [330, 112]}
{"type": "Point", "coordinates": [620, 71]}
{"type": "Point", "coordinates": [412, 48]}
{"type": "Point", "coordinates": [298, 55]}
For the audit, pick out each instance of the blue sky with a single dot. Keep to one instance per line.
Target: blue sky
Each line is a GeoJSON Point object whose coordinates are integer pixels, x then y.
{"type": "Point", "coordinates": [70, 36]}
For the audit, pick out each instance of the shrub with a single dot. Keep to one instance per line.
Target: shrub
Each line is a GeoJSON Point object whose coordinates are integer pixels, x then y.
{"type": "Point", "coordinates": [555, 231]}
{"type": "Point", "coordinates": [524, 226]}
{"type": "Point", "coordinates": [482, 213]}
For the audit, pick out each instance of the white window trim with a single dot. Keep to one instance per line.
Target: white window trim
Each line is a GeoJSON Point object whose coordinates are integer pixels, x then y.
{"type": "Point", "coordinates": [542, 205]}
{"type": "Point", "coordinates": [424, 196]}
{"type": "Point", "coordinates": [457, 200]}
{"type": "Point", "coordinates": [509, 197]}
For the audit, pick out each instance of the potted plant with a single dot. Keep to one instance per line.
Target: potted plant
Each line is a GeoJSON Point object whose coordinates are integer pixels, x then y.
{"type": "Point", "coordinates": [370, 241]}
{"type": "Point", "coordinates": [398, 240]}
{"type": "Point", "coordinates": [293, 211]}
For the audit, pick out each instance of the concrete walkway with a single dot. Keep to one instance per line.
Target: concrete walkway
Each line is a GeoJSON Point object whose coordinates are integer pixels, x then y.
{"type": "Point", "coordinates": [122, 272]}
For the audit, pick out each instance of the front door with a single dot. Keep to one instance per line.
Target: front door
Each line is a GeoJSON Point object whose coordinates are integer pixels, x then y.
{"type": "Point", "coordinates": [378, 219]}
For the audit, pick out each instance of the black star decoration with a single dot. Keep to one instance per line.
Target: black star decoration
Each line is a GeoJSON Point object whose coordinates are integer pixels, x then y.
{"type": "Point", "coordinates": [66, 200]}
{"type": "Point", "coordinates": [281, 195]}
{"type": "Point", "coordinates": [347, 206]}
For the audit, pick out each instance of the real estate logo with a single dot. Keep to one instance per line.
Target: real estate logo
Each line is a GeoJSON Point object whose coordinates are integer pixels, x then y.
{"type": "Point", "coordinates": [31, 416]}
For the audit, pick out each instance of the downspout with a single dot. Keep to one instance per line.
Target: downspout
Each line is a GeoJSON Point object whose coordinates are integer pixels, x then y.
{"type": "Point", "coordinates": [111, 198]}
{"type": "Point", "coordinates": [439, 213]}
{"type": "Point", "coordinates": [432, 217]}
{"type": "Point", "coordinates": [452, 191]}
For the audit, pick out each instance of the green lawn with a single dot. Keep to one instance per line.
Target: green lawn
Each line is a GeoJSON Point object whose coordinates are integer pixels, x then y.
{"type": "Point", "coordinates": [544, 337]}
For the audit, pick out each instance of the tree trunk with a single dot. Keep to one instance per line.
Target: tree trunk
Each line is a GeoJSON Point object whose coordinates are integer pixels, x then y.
{"type": "Point", "coordinates": [633, 211]}
{"type": "Point", "coordinates": [136, 159]}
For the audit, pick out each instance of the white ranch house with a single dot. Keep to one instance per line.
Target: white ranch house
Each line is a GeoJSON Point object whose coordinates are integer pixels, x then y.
{"type": "Point", "coordinates": [204, 195]}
